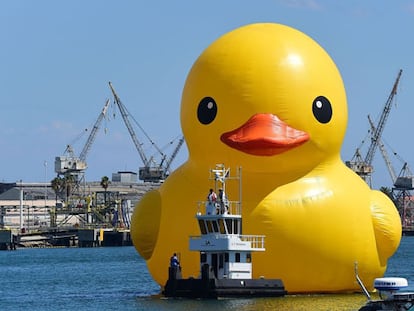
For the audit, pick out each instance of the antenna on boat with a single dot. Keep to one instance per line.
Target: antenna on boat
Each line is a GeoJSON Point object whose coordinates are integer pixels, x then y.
{"type": "Point", "coordinates": [360, 282]}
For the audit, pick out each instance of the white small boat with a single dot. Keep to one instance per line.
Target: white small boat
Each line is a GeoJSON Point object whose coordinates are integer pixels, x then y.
{"type": "Point", "coordinates": [391, 299]}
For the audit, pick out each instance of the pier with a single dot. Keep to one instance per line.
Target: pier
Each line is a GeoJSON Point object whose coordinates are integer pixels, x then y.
{"type": "Point", "coordinates": [65, 238]}
{"type": "Point", "coordinates": [32, 216]}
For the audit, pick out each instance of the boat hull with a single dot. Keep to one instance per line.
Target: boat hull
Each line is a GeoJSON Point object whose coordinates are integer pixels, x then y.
{"type": "Point", "coordinates": [210, 287]}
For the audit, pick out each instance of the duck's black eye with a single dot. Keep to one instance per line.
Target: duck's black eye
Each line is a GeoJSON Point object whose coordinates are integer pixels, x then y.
{"type": "Point", "coordinates": [207, 110]}
{"type": "Point", "coordinates": [322, 109]}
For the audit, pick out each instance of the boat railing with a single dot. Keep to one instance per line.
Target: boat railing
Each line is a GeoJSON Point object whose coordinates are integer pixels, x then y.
{"type": "Point", "coordinates": [218, 208]}
{"type": "Point", "coordinates": [256, 241]}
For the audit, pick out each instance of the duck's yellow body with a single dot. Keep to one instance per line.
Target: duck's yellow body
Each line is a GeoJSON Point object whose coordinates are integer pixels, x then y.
{"type": "Point", "coordinates": [269, 99]}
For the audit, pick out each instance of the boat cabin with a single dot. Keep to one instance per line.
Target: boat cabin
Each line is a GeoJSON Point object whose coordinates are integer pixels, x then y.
{"type": "Point", "coordinates": [222, 246]}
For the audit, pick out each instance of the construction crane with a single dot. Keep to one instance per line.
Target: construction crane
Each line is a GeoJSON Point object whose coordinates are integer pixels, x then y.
{"type": "Point", "coordinates": [402, 181]}
{"type": "Point", "coordinates": [363, 166]}
{"type": "Point", "coordinates": [402, 192]}
{"type": "Point", "coordinates": [72, 164]}
{"type": "Point", "coordinates": [173, 155]}
{"type": "Point", "coordinates": [402, 184]}
{"type": "Point", "coordinates": [94, 131]}
{"type": "Point", "coordinates": [384, 153]}
{"type": "Point", "coordinates": [150, 171]}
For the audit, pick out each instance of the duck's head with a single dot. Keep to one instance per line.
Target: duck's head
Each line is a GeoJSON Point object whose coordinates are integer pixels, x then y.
{"type": "Point", "coordinates": [266, 97]}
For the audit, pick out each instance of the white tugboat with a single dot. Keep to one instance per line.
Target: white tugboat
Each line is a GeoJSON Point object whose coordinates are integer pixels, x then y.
{"type": "Point", "coordinates": [391, 299]}
{"type": "Point", "coordinates": [225, 253]}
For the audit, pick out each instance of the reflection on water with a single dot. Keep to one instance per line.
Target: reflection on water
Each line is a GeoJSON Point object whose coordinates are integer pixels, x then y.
{"type": "Point", "coordinates": [288, 303]}
{"type": "Point", "coordinates": [316, 302]}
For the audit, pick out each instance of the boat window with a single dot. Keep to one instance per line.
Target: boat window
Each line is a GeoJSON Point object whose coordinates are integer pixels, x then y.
{"type": "Point", "coordinates": [237, 257]}
{"type": "Point", "coordinates": [221, 261]}
{"type": "Point", "coordinates": [202, 226]}
{"type": "Point", "coordinates": [236, 226]}
{"type": "Point", "coordinates": [203, 257]}
{"type": "Point", "coordinates": [226, 257]}
{"type": "Point", "coordinates": [209, 226]}
{"type": "Point", "coordinates": [229, 225]}
{"type": "Point", "coordinates": [248, 257]}
{"type": "Point", "coordinates": [215, 226]}
{"type": "Point", "coordinates": [222, 227]}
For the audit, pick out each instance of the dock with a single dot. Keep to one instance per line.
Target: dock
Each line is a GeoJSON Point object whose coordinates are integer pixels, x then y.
{"type": "Point", "coordinates": [32, 216]}
{"type": "Point", "coordinates": [74, 237]}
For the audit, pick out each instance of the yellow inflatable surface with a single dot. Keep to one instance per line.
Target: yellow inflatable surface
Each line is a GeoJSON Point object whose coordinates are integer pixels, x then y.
{"type": "Point", "coordinates": [269, 99]}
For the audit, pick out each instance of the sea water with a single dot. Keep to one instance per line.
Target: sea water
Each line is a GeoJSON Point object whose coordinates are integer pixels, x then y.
{"type": "Point", "coordinates": [117, 279]}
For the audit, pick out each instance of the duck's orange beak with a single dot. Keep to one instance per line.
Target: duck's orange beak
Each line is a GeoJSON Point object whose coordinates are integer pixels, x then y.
{"type": "Point", "coordinates": [264, 135]}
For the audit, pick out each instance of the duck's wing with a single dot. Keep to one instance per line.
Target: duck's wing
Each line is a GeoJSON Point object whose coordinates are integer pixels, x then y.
{"type": "Point", "coordinates": [146, 223]}
{"type": "Point", "coordinates": [387, 225]}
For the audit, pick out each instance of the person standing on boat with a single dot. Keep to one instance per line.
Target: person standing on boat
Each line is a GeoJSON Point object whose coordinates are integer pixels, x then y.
{"type": "Point", "coordinates": [174, 262]}
{"type": "Point", "coordinates": [223, 201]}
{"type": "Point", "coordinates": [211, 202]}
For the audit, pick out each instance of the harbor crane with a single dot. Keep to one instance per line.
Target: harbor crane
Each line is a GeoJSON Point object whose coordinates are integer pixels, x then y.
{"type": "Point", "coordinates": [70, 164]}
{"type": "Point", "coordinates": [402, 185]}
{"type": "Point", "coordinates": [402, 181]}
{"type": "Point", "coordinates": [71, 168]}
{"type": "Point", "coordinates": [150, 171]}
{"type": "Point", "coordinates": [363, 166]}
{"type": "Point", "coordinates": [169, 161]}
{"type": "Point", "coordinates": [402, 192]}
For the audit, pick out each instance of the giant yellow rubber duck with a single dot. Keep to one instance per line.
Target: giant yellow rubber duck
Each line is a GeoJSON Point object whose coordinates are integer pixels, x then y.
{"type": "Point", "coordinates": [268, 98]}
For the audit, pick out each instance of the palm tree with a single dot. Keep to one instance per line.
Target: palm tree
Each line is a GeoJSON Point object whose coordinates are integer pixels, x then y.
{"type": "Point", "coordinates": [68, 183]}
{"type": "Point", "coordinates": [57, 183]}
{"type": "Point", "coordinates": [58, 187]}
{"type": "Point", "coordinates": [105, 184]}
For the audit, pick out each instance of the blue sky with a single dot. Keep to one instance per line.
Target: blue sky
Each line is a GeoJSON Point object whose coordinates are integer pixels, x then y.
{"type": "Point", "coordinates": [57, 58]}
